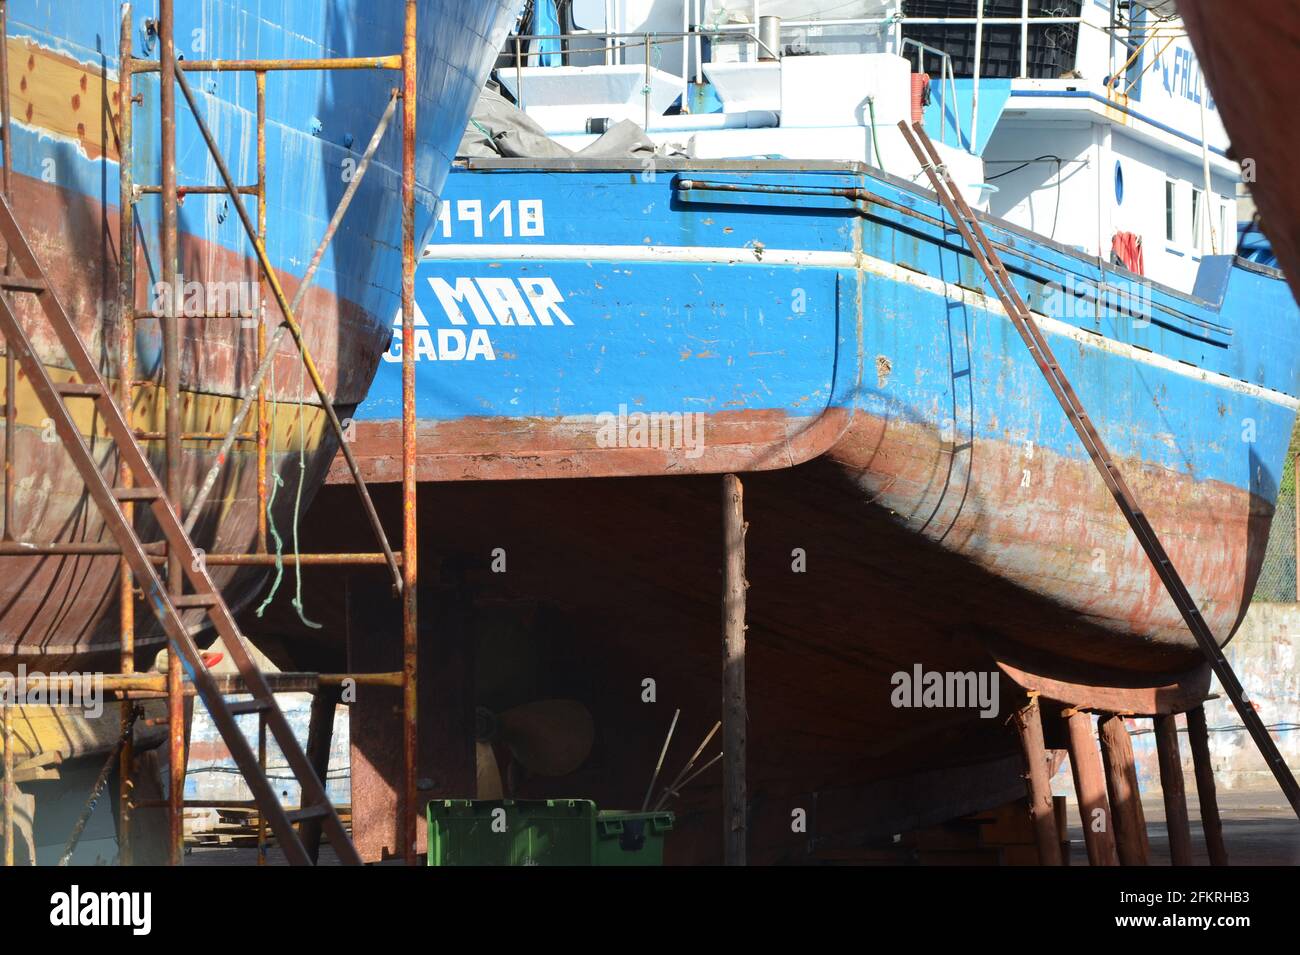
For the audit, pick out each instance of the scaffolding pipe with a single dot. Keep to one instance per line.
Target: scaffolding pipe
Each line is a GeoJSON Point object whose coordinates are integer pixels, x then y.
{"type": "Point", "coordinates": [9, 793]}
{"type": "Point", "coordinates": [268, 352]}
{"type": "Point", "coordinates": [11, 370]}
{"type": "Point", "coordinates": [170, 241]}
{"type": "Point", "coordinates": [96, 790]}
{"type": "Point", "coordinates": [263, 423]}
{"type": "Point", "coordinates": [282, 300]}
{"type": "Point", "coordinates": [125, 374]}
{"type": "Point", "coordinates": [410, 634]}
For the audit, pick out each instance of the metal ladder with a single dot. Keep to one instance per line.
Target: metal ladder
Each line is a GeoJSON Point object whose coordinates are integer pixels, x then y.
{"type": "Point", "coordinates": [985, 254]}
{"type": "Point", "coordinates": [147, 489]}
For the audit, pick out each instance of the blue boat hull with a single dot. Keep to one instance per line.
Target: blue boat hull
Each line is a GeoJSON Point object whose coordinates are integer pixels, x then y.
{"type": "Point", "coordinates": [584, 320]}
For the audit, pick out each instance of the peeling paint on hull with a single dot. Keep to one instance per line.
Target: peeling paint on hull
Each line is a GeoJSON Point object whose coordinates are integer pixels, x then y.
{"type": "Point", "coordinates": [60, 611]}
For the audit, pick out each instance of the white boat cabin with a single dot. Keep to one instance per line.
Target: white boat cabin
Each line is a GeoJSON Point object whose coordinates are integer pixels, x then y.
{"type": "Point", "coordinates": [1085, 121]}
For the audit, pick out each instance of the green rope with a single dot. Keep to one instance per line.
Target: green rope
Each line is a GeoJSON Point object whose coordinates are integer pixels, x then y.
{"type": "Point", "coordinates": [297, 505]}
{"type": "Point", "coordinates": [875, 144]}
{"type": "Point", "coordinates": [297, 500]}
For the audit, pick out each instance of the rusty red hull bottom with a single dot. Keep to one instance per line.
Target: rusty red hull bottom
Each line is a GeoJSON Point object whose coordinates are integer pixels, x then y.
{"type": "Point", "coordinates": [58, 612]}
{"type": "Point", "coordinates": [586, 589]}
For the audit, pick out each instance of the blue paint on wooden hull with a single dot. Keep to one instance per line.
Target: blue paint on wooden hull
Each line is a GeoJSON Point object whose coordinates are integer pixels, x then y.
{"type": "Point", "coordinates": [837, 301]}
{"type": "Point", "coordinates": [318, 122]}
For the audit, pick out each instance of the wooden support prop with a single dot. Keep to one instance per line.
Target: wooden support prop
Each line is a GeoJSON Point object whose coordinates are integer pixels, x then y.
{"type": "Point", "coordinates": [320, 733]}
{"type": "Point", "coordinates": [10, 791]}
{"type": "Point", "coordinates": [1029, 724]}
{"type": "Point", "coordinates": [1171, 782]}
{"type": "Point", "coordinates": [1198, 736]}
{"type": "Point", "coordinates": [1090, 787]}
{"type": "Point", "coordinates": [1122, 788]}
{"type": "Point", "coordinates": [734, 713]}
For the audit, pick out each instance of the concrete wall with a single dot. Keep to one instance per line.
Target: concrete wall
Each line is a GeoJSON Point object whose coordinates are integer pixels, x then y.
{"type": "Point", "coordinates": [1263, 654]}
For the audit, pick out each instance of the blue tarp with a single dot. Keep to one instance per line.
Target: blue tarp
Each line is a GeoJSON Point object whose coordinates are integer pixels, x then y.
{"type": "Point", "coordinates": [546, 23]}
{"type": "Point", "coordinates": [1254, 245]}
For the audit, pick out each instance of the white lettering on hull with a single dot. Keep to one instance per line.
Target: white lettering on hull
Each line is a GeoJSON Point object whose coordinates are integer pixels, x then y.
{"type": "Point", "coordinates": [486, 302]}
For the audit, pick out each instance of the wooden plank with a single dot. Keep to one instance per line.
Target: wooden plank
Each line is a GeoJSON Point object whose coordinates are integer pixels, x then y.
{"type": "Point", "coordinates": [1211, 824]}
{"type": "Point", "coordinates": [1171, 782]}
{"type": "Point", "coordinates": [734, 711]}
{"type": "Point", "coordinates": [1090, 788]}
{"type": "Point", "coordinates": [1122, 787]}
{"type": "Point", "coordinates": [1029, 725]}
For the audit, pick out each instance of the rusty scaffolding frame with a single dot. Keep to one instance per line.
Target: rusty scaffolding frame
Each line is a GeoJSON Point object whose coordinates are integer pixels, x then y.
{"type": "Point", "coordinates": [132, 686]}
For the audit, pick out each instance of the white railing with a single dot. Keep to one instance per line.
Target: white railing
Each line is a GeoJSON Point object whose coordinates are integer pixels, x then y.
{"type": "Point", "coordinates": [947, 80]}
{"type": "Point", "coordinates": [616, 43]}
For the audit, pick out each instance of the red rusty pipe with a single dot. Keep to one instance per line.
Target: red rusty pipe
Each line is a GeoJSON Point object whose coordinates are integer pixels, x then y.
{"type": "Point", "coordinates": [393, 62]}
{"type": "Point", "coordinates": [125, 373]}
{"type": "Point", "coordinates": [410, 633]}
{"type": "Point", "coordinates": [171, 376]}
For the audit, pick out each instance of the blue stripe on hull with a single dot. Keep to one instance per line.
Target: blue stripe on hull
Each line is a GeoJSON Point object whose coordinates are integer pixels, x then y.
{"type": "Point", "coordinates": [1189, 391]}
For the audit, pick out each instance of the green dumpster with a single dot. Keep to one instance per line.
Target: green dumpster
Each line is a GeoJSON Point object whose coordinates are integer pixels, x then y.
{"type": "Point", "coordinates": [572, 832]}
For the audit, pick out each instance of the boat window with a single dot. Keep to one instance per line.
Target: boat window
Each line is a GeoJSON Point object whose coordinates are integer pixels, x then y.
{"type": "Point", "coordinates": [1119, 184]}
{"type": "Point", "coordinates": [1169, 209]}
{"type": "Point", "coordinates": [1196, 218]}
{"type": "Point", "coordinates": [1020, 47]}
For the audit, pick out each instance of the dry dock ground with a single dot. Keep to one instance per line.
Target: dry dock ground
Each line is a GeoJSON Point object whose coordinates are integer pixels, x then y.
{"type": "Point", "coordinates": [1258, 828]}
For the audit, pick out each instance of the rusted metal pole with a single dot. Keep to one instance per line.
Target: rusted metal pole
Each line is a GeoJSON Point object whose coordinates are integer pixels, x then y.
{"type": "Point", "coordinates": [267, 352]}
{"type": "Point", "coordinates": [170, 243]}
{"type": "Point", "coordinates": [261, 762]}
{"type": "Point", "coordinates": [1029, 725]}
{"type": "Point", "coordinates": [320, 733]}
{"type": "Point", "coordinates": [393, 62]}
{"type": "Point", "coordinates": [1090, 788]}
{"type": "Point", "coordinates": [734, 709]}
{"type": "Point", "coordinates": [11, 367]}
{"type": "Point", "coordinates": [263, 426]}
{"type": "Point", "coordinates": [125, 397]}
{"type": "Point", "coordinates": [299, 337]}
{"type": "Point", "coordinates": [1199, 736]}
{"type": "Point", "coordinates": [176, 756]}
{"type": "Point", "coordinates": [1122, 787]}
{"type": "Point", "coordinates": [92, 800]}
{"type": "Point", "coordinates": [8, 793]}
{"type": "Point", "coordinates": [410, 619]}
{"type": "Point", "coordinates": [1171, 784]}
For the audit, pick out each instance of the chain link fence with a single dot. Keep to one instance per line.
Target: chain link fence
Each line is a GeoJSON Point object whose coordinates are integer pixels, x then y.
{"type": "Point", "coordinates": [1277, 583]}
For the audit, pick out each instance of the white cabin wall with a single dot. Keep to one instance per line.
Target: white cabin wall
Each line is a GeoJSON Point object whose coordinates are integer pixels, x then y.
{"type": "Point", "coordinates": [636, 16]}
{"type": "Point", "coordinates": [1029, 197]}
{"type": "Point", "coordinates": [1146, 169]}
{"type": "Point", "coordinates": [1090, 213]}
